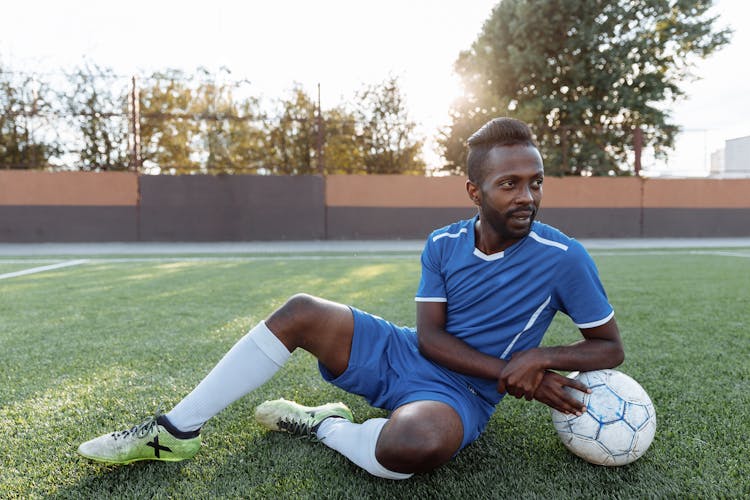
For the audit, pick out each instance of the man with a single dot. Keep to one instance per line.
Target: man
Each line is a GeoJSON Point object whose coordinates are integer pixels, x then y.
{"type": "Point", "coordinates": [489, 289]}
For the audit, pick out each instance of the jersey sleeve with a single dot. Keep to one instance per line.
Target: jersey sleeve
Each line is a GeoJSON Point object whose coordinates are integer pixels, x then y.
{"type": "Point", "coordinates": [431, 284]}
{"type": "Point", "coordinates": [580, 291]}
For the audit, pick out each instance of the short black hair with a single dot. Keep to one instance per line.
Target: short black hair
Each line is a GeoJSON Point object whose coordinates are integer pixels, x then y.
{"type": "Point", "coordinates": [496, 132]}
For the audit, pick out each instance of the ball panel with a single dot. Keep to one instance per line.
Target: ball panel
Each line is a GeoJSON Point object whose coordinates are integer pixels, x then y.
{"type": "Point", "coordinates": [590, 450]}
{"type": "Point", "coordinates": [637, 415]}
{"type": "Point", "coordinates": [644, 437]}
{"type": "Point", "coordinates": [586, 426]}
{"type": "Point", "coordinates": [606, 406]}
{"type": "Point", "coordinates": [628, 389]}
{"type": "Point", "coordinates": [617, 437]}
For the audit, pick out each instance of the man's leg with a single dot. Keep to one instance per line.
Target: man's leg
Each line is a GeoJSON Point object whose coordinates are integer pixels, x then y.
{"type": "Point", "coordinates": [418, 437]}
{"type": "Point", "coordinates": [323, 328]}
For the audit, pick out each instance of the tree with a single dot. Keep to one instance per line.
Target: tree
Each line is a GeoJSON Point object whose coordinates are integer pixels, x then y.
{"type": "Point", "coordinates": [386, 134]}
{"type": "Point", "coordinates": [199, 128]}
{"type": "Point", "coordinates": [342, 151]}
{"type": "Point", "coordinates": [585, 74]}
{"type": "Point", "coordinates": [27, 140]}
{"type": "Point", "coordinates": [167, 125]}
{"type": "Point", "coordinates": [230, 142]}
{"type": "Point", "coordinates": [97, 110]}
{"type": "Point", "coordinates": [294, 140]}
{"type": "Point", "coordinates": [291, 145]}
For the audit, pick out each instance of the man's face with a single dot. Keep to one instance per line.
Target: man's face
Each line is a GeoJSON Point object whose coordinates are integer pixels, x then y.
{"type": "Point", "coordinates": [510, 193]}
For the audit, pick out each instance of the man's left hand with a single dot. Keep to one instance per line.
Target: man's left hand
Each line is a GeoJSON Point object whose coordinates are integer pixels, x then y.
{"type": "Point", "coordinates": [522, 375]}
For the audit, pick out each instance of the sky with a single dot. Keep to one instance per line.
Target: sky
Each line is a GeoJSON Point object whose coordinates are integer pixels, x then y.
{"type": "Point", "coordinates": [341, 45]}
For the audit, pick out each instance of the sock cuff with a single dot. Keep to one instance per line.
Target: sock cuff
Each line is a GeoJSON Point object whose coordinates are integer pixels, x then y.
{"type": "Point", "coordinates": [269, 343]}
{"type": "Point", "coordinates": [376, 468]}
{"type": "Point", "coordinates": [167, 424]}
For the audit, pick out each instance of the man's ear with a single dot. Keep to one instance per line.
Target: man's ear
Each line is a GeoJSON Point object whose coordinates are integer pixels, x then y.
{"type": "Point", "coordinates": [475, 195]}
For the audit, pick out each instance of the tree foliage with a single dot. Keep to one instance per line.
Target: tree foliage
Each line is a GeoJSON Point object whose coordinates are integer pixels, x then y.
{"type": "Point", "coordinates": [342, 152]}
{"type": "Point", "coordinates": [179, 123]}
{"type": "Point", "coordinates": [230, 140]}
{"type": "Point", "coordinates": [198, 125]}
{"type": "Point", "coordinates": [375, 137]}
{"type": "Point", "coordinates": [97, 112]}
{"type": "Point", "coordinates": [167, 126]}
{"type": "Point", "coordinates": [292, 136]}
{"type": "Point", "coordinates": [26, 139]}
{"type": "Point", "coordinates": [387, 135]}
{"type": "Point", "coordinates": [584, 74]}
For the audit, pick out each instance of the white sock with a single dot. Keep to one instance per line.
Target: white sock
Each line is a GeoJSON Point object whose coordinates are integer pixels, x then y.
{"type": "Point", "coordinates": [252, 361]}
{"type": "Point", "coordinates": [357, 443]}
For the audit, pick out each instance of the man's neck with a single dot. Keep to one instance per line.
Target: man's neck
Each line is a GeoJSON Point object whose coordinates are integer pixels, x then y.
{"type": "Point", "coordinates": [488, 241]}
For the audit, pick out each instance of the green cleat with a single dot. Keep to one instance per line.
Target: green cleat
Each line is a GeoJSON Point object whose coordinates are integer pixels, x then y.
{"type": "Point", "coordinates": [288, 416]}
{"type": "Point", "coordinates": [148, 441]}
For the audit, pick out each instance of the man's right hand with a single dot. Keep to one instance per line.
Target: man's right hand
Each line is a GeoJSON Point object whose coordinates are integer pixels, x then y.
{"type": "Point", "coordinates": [551, 391]}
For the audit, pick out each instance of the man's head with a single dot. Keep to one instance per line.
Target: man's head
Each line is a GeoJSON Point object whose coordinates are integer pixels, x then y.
{"type": "Point", "coordinates": [505, 179]}
{"type": "Point", "coordinates": [494, 133]}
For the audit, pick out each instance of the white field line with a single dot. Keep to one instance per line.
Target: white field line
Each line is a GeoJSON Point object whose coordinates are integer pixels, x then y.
{"type": "Point", "coordinates": [256, 258]}
{"type": "Point", "coordinates": [745, 255]}
{"type": "Point", "coordinates": [29, 261]}
{"type": "Point", "coordinates": [636, 253]}
{"type": "Point", "coordinates": [41, 269]}
{"type": "Point", "coordinates": [251, 259]}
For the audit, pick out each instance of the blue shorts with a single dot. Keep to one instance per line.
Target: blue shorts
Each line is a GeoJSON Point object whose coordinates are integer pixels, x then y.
{"type": "Point", "coordinates": [386, 368]}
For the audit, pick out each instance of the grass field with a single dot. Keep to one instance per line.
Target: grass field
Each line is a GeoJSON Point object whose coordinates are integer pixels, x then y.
{"type": "Point", "coordinates": [95, 347]}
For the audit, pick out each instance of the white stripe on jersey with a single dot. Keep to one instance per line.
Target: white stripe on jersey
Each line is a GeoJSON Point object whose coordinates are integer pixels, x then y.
{"type": "Point", "coordinates": [545, 241]}
{"type": "Point", "coordinates": [449, 235]}
{"type": "Point", "coordinates": [593, 324]}
{"type": "Point", "coordinates": [430, 299]}
{"type": "Point", "coordinates": [529, 324]}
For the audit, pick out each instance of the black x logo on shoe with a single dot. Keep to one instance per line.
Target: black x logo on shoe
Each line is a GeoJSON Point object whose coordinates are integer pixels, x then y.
{"type": "Point", "coordinates": [157, 447]}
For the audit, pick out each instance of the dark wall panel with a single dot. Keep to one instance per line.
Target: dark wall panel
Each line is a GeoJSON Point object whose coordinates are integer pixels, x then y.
{"type": "Point", "coordinates": [346, 223]}
{"type": "Point", "coordinates": [231, 208]}
{"type": "Point", "coordinates": [696, 222]}
{"type": "Point", "coordinates": [594, 222]}
{"type": "Point", "coordinates": [40, 223]}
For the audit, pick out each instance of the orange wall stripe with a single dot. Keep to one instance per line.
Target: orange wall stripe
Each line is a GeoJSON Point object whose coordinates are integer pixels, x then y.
{"type": "Point", "coordinates": [697, 193]}
{"type": "Point", "coordinates": [592, 192]}
{"type": "Point", "coordinates": [401, 191]}
{"type": "Point", "coordinates": [68, 188]}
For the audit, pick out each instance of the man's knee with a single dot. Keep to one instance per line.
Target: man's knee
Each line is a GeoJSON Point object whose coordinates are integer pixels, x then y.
{"type": "Point", "coordinates": [301, 312]}
{"type": "Point", "coordinates": [415, 441]}
{"type": "Point", "coordinates": [300, 308]}
{"type": "Point", "coordinates": [319, 326]}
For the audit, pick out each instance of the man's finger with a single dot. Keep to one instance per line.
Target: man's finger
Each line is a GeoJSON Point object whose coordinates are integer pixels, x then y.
{"type": "Point", "coordinates": [576, 406]}
{"type": "Point", "coordinates": [501, 386]}
{"type": "Point", "coordinates": [575, 384]}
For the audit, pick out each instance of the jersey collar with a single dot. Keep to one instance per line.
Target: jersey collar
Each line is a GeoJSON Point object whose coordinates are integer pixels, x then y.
{"type": "Point", "coordinates": [495, 256]}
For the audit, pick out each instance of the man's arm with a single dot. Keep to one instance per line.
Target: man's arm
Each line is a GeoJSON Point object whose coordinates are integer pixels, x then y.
{"type": "Point", "coordinates": [600, 348]}
{"type": "Point", "coordinates": [444, 349]}
{"type": "Point", "coordinates": [439, 346]}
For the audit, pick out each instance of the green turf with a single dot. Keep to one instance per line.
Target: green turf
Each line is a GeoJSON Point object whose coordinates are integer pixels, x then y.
{"type": "Point", "coordinates": [95, 347]}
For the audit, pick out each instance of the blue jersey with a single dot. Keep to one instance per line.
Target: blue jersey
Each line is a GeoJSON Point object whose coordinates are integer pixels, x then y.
{"type": "Point", "coordinates": [504, 302]}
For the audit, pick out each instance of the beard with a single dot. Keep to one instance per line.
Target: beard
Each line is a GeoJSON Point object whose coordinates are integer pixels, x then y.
{"type": "Point", "coordinates": [510, 225]}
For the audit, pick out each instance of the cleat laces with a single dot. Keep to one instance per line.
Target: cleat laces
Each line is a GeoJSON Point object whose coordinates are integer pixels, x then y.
{"type": "Point", "coordinates": [300, 428]}
{"type": "Point", "coordinates": [137, 431]}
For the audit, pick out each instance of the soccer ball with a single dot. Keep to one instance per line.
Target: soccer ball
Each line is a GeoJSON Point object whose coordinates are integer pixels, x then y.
{"type": "Point", "coordinates": [618, 425]}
